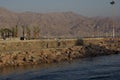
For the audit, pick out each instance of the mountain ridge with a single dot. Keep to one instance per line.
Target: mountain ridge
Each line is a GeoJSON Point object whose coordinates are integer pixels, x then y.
{"type": "Point", "coordinates": [59, 23]}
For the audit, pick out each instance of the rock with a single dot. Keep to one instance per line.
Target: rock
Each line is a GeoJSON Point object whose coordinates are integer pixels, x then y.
{"type": "Point", "coordinates": [53, 55]}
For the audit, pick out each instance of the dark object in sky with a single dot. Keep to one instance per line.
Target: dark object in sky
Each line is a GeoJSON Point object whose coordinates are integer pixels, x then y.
{"type": "Point", "coordinates": [112, 2]}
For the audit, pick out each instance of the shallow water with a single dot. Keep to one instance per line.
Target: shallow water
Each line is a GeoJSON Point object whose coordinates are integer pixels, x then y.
{"type": "Point", "coordinates": [96, 68]}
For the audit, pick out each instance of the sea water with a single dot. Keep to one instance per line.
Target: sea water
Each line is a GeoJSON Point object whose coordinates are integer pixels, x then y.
{"type": "Point", "coordinates": [92, 68]}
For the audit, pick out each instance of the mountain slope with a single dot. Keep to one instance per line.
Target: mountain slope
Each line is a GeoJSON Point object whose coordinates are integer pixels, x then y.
{"type": "Point", "coordinates": [59, 24]}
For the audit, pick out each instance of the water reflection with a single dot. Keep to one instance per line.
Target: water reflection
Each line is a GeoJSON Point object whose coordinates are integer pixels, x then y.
{"type": "Point", "coordinates": [93, 68]}
{"type": "Point", "coordinates": [20, 69]}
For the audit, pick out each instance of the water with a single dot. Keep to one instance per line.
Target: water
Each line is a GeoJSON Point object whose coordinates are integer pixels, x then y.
{"type": "Point", "coordinates": [96, 68]}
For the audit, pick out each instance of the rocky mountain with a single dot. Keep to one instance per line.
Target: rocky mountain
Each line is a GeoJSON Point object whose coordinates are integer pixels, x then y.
{"type": "Point", "coordinates": [66, 24]}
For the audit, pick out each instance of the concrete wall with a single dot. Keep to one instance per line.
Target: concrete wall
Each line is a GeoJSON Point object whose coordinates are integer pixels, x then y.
{"type": "Point", "coordinates": [8, 46]}
{"type": "Point", "coordinates": [43, 44]}
{"type": "Point", "coordinates": [35, 44]}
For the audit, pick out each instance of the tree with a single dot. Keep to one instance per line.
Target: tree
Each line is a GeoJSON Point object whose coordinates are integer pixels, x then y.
{"type": "Point", "coordinates": [23, 30]}
{"type": "Point", "coordinates": [16, 31]}
{"type": "Point", "coordinates": [2, 33]}
{"type": "Point", "coordinates": [36, 32]}
{"type": "Point", "coordinates": [13, 32]}
{"type": "Point", "coordinates": [28, 31]}
{"type": "Point", "coordinates": [5, 33]}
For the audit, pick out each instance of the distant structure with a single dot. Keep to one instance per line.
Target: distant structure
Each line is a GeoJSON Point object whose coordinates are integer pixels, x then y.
{"type": "Point", "coordinates": [113, 24]}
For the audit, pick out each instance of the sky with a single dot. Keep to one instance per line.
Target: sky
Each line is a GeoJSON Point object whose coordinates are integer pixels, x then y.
{"type": "Point", "coordinates": [90, 8]}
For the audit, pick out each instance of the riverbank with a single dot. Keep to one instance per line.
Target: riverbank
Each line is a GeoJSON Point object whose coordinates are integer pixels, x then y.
{"type": "Point", "coordinates": [16, 53]}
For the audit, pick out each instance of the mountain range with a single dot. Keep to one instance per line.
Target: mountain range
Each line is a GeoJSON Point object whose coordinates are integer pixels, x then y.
{"type": "Point", "coordinates": [65, 24]}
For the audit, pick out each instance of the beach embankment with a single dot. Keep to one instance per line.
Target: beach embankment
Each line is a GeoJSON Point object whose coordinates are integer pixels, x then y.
{"type": "Point", "coordinates": [16, 53]}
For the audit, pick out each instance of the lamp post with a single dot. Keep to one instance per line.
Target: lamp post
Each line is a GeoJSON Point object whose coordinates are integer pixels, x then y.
{"type": "Point", "coordinates": [113, 25]}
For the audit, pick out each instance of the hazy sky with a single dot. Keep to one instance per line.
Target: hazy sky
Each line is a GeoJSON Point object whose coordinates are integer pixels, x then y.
{"type": "Point", "coordinates": [83, 7]}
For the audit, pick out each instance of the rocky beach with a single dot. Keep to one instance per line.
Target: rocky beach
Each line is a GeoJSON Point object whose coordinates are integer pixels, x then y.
{"type": "Point", "coordinates": [17, 53]}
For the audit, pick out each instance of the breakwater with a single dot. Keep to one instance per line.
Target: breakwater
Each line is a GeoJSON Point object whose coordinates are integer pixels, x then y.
{"type": "Point", "coordinates": [51, 51]}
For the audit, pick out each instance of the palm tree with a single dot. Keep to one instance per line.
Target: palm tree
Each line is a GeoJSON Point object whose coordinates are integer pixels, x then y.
{"type": "Point", "coordinates": [16, 31]}
{"type": "Point", "coordinates": [23, 30]}
{"type": "Point", "coordinates": [2, 33]}
{"type": "Point", "coordinates": [13, 32]}
{"type": "Point", "coordinates": [36, 32]}
{"type": "Point", "coordinates": [28, 31]}
{"type": "Point", "coordinates": [5, 33]}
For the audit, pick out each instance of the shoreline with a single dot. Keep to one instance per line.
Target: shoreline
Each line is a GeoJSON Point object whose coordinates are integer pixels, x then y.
{"type": "Point", "coordinates": [36, 52]}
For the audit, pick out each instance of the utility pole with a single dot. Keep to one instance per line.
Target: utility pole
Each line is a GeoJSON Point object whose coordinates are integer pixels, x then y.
{"type": "Point", "coordinates": [113, 23]}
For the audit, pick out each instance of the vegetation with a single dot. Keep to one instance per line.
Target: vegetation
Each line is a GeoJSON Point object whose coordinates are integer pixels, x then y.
{"type": "Point", "coordinates": [15, 31]}
{"type": "Point", "coordinates": [36, 32]}
{"type": "Point", "coordinates": [5, 33]}
{"type": "Point", "coordinates": [23, 30]}
{"type": "Point", "coordinates": [26, 32]}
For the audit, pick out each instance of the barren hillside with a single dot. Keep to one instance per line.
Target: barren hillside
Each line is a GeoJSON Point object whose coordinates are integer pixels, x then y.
{"type": "Point", "coordinates": [59, 23]}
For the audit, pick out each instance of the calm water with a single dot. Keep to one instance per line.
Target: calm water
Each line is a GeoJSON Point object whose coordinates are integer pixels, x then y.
{"type": "Point", "coordinates": [98, 68]}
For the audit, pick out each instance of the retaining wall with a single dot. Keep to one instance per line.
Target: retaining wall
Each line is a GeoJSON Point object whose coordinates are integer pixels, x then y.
{"type": "Point", "coordinates": [48, 51]}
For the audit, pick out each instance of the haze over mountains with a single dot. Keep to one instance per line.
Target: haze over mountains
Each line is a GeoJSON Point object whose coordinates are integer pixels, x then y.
{"type": "Point", "coordinates": [67, 24]}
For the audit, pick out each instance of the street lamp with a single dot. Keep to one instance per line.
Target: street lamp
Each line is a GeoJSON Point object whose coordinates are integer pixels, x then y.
{"type": "Point", "coordinates": [112, 2]}
{"type": "Point", "coordinates": [113, 31]}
